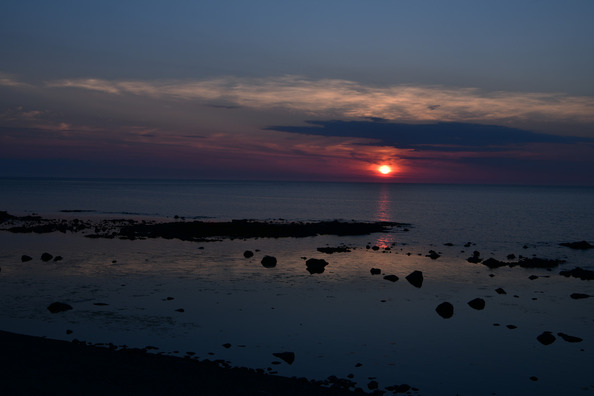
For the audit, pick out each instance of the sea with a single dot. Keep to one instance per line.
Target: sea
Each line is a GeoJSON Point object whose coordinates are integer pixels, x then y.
{"type": "Point", "coordinates": [206, 300]}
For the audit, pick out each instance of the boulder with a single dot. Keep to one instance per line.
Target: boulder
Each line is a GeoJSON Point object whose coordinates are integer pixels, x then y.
{"type": "Point", "coordinates": [25, 258]}
{"type": "Point", "coordinates": [248, 254]}
{"type": "Point", "coordinates": [445, 310]}
{"type": "Point", "coordinates": [546, 338]}
{"type": "Point", "coordinates": [493, 263]}
{"type": "Point", "coordinates": [316, 266]}
{"type": "Point", "coordinates": [56, 307]}
{"type": "Point", "coordinates": [415, 278]}
{"type": "Point", "coordinates": [391, 278]}
{"type": "Point", "coordinates": [477, 303]}
{"type": "Point", "coordinates": [582, 245]}
{"type": "Point", "coordinates": [288, 357]}
{"type": "Point", "coordinates": [268, 261]}
{"type": "Point", "coordinates": [46, 257]}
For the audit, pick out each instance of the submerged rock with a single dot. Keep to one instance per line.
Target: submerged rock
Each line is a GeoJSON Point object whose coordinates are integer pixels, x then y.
{"type": "Point", "coordinates": [288, 357]}
{"type": "Point", "coordinates": [316, 266]}
{"type": "Point", "coordinates": [578, 272]}
{"type": "Point", "coordinates": [268, 261]}
{"type": "Point", "coordinates": [477, 303]}
{"type": "Point", "coordinates": [582, 245]}
{"type": "Point", "coordinates": [433, 255]}
{"type": "Point", "coordinates": [415, 278]}
{"type": "Point", "coordinates": [330, 250]}
{"type": "Point", "coordinates": [577, 296]}
{"type": "Point", "coordinates": [569, 338]}
{"type": "Point", "coordinates": [445, 310]}
{"type": "Point", "coordinates": [56, 307]}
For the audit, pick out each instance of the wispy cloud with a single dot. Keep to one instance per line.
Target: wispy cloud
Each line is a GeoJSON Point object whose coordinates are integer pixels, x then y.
{"type": "Point", "coordinates": [343, 98]}
{"type": "Point", "coordinates": [8, 80]}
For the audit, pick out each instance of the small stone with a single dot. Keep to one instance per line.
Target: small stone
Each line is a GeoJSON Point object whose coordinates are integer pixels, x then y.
{"type": "Point", "coordinates": [226, 346]}
{"type": "Point", "coordinates": [391, 278]}
{"type": "Point", "coordinates": [316, 266]}
{"type": "Point", "coordinates": [546, 338]}
{"type": "Point", "coordinates": [499, 290]}
{"type": "Point", "coordinates": [511, 326]}
{"type": "Point", "coordinates": [25, 258]}
{"type": "Point", "coordinates": [248, 254]}
{"type": "Point", "coordinates": [532, 277]}
{"type": "Point", "coordinates": [445, 310]}
{"type": "Point", "coordinates": [46, 257]}
{"type": "Point", "coordinates": [433, 255]}
{"type": "Point", "coordinates": [180, 310]}
{"type": "Point", "coordinates": [533, 378]}
{"type": "Point", "coordinates": [375, 271]}
{"type": "Point", "coordinates": [288, 357]}
{"type": "Point", "coordinates": [477, 303]}
{"type": "Point", "coordinates": [58, 258]}
{"type": "Point", "coordinates": [268, 261]}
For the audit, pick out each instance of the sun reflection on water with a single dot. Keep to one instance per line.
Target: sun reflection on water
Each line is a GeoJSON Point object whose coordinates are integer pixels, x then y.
{"type": "Point", "coordinates": [384, 213]}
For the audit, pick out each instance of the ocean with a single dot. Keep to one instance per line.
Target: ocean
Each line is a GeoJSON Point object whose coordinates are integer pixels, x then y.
{"type": "Point", "coordinates": [343, 322]}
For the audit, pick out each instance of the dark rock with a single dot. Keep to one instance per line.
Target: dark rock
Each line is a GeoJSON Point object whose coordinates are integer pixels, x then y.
{"type": "Point", "coordinates": [68, 332]}
{"type": "Point", "coordinates": [467, 244]}
{"type": "Point", "coordinates": [445, 310]}
{"type": "Point", "coordinates": [475, 257]}
{"type": "Point", "coordinates": [511, 256]}
{"type": "Point", "coordinates": [494, 263]}
{"type": "Point", "coordinates": [100, 304]}
{"type": "Point", "coordinates": [330, 250]}
{"type": "Point", "coordinates": [569, 338]}
{"type": "Point", "coordinates": [25, 258]}
{"type": "Point", "coordinates": [499, 290]}
{"type": "Point", "coordinates": [433, 255]}
{"type": "Point", "coordinates": [268, 261]}
{"type": "Point", "coordinates": [511, 326]}
{"type": "Point", "coordinates": [316, 266]}
{"type": "Point", "coordinates": [391, 278]}
{"type": "Point", "coordinates": [448, 244]}
{"type": "Point", "coordinates": [533, 378]}
{"type": "Point", "coordinates": [46, 257]}
{"type": "Point", "coordinates": [226, 345]}
{"type": "Point", "coordinates": [375, 271]}
{"type": "Point", "coordinates": [546, 338]}
{"type": "Point", "coordinates": [375, 248]}
{"type": "Point", "coordinates": [58, 258]}
{"type": "Point", "coordinates": [402, 388]}
{"type": "Point", "coordinates": [415, 278]}
{"type": "Point", "coordinates": [56, 307]}
{"type": "Point", "coordinates": [535, 262]}
{"type": "Point", "coordinates": [248, 254]}
{"type": "Point", "coordinates": [288, 357]}
{"type": "Point", "coordinates": [577, 296]}
{"type": "Point", "coordinates": [372, 385]}
{"type": "Point", "coordinates": [582, 245]}
{"type": "Point", "coordinates": [477, 303]}
{"type": "Point", "coordinates": [533, 277]}
{"type": "Point", "coordinates": [578, 272]}
{"type": "Point", "coordinates": [180, 310]}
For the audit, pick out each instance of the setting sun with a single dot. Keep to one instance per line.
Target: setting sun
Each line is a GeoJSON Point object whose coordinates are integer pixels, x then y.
{"type": "Point", "coordinates": [384, 169]}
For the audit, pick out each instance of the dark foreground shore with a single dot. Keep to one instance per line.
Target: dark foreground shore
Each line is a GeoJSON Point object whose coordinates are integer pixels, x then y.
{"type": "Point", "coordinates": [36, 366]}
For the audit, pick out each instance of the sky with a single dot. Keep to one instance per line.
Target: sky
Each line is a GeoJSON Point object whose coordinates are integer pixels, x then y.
{"type": "Point", "coordinates": [441, 91]}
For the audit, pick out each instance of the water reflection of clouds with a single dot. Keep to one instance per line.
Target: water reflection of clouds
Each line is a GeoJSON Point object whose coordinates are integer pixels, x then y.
{"type": "Point", "coordinates": [384, 213]}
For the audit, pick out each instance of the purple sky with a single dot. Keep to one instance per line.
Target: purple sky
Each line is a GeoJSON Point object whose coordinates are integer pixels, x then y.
{"type": "Point", "coordinates": [458, 91]}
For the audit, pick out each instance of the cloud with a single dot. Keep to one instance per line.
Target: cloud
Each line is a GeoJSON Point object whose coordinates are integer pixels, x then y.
{"type": "Point", "coordinates": [8, 80]}
{"type": "Point", "coordinates": [440, 136]}
{"type": "Point", "coordinates": [349, 99]}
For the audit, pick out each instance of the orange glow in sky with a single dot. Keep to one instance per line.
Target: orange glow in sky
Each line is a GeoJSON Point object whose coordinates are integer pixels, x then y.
{"type": "Point", "coordinates": [384, 169]}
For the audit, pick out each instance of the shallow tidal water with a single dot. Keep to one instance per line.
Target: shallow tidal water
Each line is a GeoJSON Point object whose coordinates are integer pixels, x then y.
{"type": "Point", "coordinates": [345, 321]}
